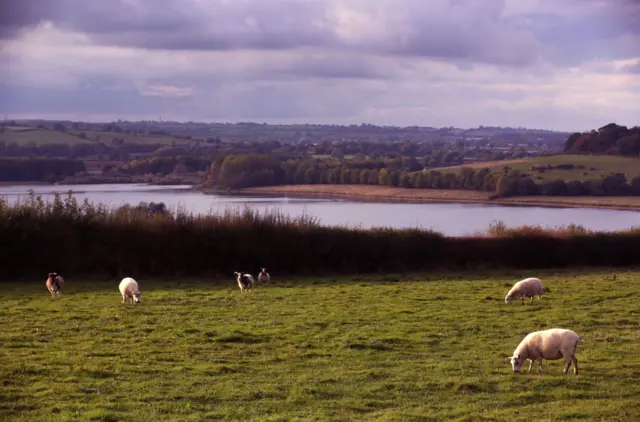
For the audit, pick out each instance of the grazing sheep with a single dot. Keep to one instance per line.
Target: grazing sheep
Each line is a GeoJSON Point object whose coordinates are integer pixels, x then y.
{"type": "Point", "coordinates": [263, 277]}
{"type": "Point", "coordinates": [245, 281]}
{"type": "Point", "coordinates": [552, 344]}
{"type": "Point", "coordinates": [529, 287]}
{"type": "Point", "coordinates": [129, 290]}
{"type": "Point", "coordinates": [54, 284]}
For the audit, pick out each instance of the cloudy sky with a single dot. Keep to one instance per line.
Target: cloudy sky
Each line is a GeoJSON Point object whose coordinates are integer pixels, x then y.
{"type": "Point", "coordinates": [553, 64]}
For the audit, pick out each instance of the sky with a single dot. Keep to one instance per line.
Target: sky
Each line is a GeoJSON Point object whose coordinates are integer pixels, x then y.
{"type": "Point", "coordinates": [569, 65]}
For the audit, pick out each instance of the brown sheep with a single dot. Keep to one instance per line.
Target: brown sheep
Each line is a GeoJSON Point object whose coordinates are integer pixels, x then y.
{"type": "Point", "coordinates": [54, 284]}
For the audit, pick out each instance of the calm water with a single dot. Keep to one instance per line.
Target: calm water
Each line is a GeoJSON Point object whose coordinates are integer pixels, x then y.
{"type": "Point", "coordinates": [449, 219]}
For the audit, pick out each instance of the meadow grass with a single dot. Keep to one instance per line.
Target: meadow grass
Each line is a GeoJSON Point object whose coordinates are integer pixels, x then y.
{"type": "Point", "coordinates": [388, 347]}
{"type": "Point", "coordinates": [25, 135]}
{"type": "Point", "coordinates": [594, 166]}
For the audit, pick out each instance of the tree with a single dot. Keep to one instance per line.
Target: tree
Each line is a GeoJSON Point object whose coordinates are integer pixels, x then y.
{"type": "Point", "coordinates": [570, 142]}
{"type": "Point", "coordinates": [527, 186]}
{"type": "Point", "coordinates": [345, 176]}
{"type": "Point", "coordinates": [635, 186]}
{"type": "Point", "coordinates": [311, 176]}
{"type": "Point", "coordinates": [405, 180]}
{"type": "Point", "coordinates": [508, 183]}
{"type": "Point", "coordinates": [554, 188]}
{"type": "Point", "coordinates": [384, 178]}
{"type": "Point", "coordinates": [364, 176]}
{"type": "Point", "coordinates": [373, 177]}
{"type": "Point", "coordinates": [615, 184]}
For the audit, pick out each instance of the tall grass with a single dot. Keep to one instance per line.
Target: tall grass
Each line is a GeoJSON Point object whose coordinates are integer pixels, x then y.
{"type": "Point", "coordinates": [93, 240]}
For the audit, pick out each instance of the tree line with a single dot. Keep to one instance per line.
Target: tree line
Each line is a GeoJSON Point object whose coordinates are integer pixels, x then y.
{"type": "Point", "coordinates": [38, 169]}
{"type": "Point", "coordinates": [244, 170]}
{"type": "Point", "coordinates": [610, 139]}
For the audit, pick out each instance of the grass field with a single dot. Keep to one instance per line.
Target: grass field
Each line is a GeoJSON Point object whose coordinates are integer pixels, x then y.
{"type": "Point", "coordinates": [410, 348]}
{"type": "Point", "coordinates": [26, 135]}
{"type": "Point", "coordinates": [595, 166]}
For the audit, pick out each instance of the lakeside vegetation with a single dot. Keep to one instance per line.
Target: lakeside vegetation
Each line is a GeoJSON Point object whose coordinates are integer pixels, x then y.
{"type": "Point", "coordinates": [393, 347]}
{"type": "Point", "coordinates": [397, 195]}
{"type": "Point", "coordinates": [90, 240]}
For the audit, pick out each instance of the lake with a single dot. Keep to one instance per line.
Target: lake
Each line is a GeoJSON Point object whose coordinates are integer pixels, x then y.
{"type": "Point", "coordinates": [449, 219]}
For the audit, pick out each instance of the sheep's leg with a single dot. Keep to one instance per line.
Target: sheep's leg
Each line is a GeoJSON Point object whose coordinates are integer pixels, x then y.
{"type": "Point", "coordinates": [575, 365]}
{"type": "Point", "coordinates": [567, 363]}
{"type": "Point", "coordinates": [530, 364]}
{"type": "Point", "coordinates": [522, 298]}
{"type": "Point", "coordinates": [531, 299]}
{"type": "Point", "coordinates": [540, 365]}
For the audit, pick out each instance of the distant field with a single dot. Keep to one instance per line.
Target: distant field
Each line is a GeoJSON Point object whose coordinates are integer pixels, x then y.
{"type": "Point", "coordinates": [422, 347]}
{"type": "Point", "coordinates": [106, 137]}
{"type": "Point", "coordinates": [25, 135]}
{"type": "Point", "coordinates": [595, 166]}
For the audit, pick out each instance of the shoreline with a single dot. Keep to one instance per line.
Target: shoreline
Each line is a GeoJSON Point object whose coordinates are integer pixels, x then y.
{"type": "Point", "coordinates": [369, 193]}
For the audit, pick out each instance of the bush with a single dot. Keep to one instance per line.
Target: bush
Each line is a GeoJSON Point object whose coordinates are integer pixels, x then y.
{"type": "Point", "coordinates": [92, 240]}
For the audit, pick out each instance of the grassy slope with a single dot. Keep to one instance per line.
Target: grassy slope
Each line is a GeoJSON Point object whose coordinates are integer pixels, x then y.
{"type": "Point", "coordinates": [601, 164]}
{"type": "Point", "coordinates": [24, 135]}
{"type": "Point", "coordinates": [415, 348]}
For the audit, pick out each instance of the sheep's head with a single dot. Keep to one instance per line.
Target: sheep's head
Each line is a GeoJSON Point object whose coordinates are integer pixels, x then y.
{"type": "Point", "coordinates": [263, 270]}
{"type": "Point", "coordinates": [136, 296]}
{"type": "Point", "coordinates": [52, 275]}
{"type": "Point", "coordinates": [507, 299]}
{"type": "Point", "coordinates": [237, 274]}
{"type": "Point", "coordinates": [516, 362]}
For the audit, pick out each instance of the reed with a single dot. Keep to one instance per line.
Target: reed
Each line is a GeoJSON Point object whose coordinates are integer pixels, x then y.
{"type": "Point", "coordinates": [86, 239]}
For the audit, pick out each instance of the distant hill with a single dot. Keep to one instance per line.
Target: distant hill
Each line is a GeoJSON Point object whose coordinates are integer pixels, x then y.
{"type": "Point", "coordinates": [294, 133]}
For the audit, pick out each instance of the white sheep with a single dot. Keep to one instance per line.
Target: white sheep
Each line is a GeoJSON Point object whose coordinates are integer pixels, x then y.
{"type": "Point", "coordinates": [245, 281]}
{"type": "Point", "coordinates": [263, 277]}
{"type": "Point", "coordinates": [54, 284]}
{"type": "Point", "coordinates": [552, 344]}
{"type": "Point", "coordinates": [529, 287]}
{"type": "Point", "coordinates": [129, 290]}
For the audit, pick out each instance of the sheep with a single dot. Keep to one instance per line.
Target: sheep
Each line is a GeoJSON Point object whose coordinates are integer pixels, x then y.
{"type": "Point", "coordinates": [129, 290]}
{"type": "Point", "coordinates": [263, 277]}
{"type": "Point", "coordinates": [54, 284]}
{"type": "Point", "coordinates": [529, 287]}
{"type": "Point", "coordinates": [551, 344]}
{"type": "Point", "coordinates": [245, 281]}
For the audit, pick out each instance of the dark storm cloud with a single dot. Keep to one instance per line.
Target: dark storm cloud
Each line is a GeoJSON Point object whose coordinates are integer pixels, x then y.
{"type": "Point", "coordinates": [455, 30]}
{"type": "Point", "coordinates": [177, 24]}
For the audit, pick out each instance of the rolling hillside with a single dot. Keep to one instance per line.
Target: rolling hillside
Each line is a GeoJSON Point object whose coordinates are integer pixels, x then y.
{"type": "Point", "coordinates": [572, 167]}
{"type": "Point", "coordinates": [23, 135]}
